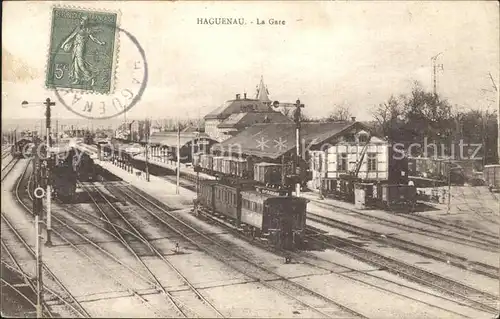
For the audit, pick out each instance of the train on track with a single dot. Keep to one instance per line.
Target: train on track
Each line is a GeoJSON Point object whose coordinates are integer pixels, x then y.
{"type": "Point", "coordinates": [84, 167]}
{"type": "Point", "coordinates": [63, 175]}
{"type": "Point", "coordinates": [270, 174]}
{"type": "Point", "coordinates": [68, 167]}
{"type": "Point", "coordinates": [255, 197]}
{"type": "Point", "coordinates": [22, 148]}
{"type": "Point", "coordinates": [274, 216]}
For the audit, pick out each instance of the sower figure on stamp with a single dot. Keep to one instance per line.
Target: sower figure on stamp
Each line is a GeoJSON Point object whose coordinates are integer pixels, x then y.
{"type": "Point", "coordinates": [76, 42]}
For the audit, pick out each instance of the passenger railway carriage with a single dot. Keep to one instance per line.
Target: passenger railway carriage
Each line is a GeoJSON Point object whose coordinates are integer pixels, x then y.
{"type": "Point", "coordinates": [276, 217]}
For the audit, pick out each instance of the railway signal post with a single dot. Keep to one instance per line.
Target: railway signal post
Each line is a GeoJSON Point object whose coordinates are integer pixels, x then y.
{"type": "Point", "coordinates": [297, 117]}
{"type": "Point", "coordinates": [38, 211]}
{"type": "Point", "coordinates": [48, 104]}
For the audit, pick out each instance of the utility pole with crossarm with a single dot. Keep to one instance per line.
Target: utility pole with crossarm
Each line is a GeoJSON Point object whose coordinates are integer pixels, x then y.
{"type": "Point", "coordinates": [297, 118]}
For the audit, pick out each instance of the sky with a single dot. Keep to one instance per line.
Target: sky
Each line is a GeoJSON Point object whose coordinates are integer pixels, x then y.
{"type": "Point", "coordinates": [326, 54]}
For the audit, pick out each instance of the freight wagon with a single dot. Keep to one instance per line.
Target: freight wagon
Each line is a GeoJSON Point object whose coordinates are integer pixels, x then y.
{"type": "Point", "coordinates": [279, 218]}
{"type": "Point", "coordinates": [269, 174]}
{"type": "Point", "coordinates": [379, 195]}
{"type": "Point", "coordinates": [437, 169]}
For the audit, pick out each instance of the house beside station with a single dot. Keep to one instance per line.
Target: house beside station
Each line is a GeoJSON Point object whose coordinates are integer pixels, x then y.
{"type": "Point", "coordinates": [328, 149]}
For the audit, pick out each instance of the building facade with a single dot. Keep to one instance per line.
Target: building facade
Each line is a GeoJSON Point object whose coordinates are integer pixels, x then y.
{"type": "Point", "coordinates": [237, 114]}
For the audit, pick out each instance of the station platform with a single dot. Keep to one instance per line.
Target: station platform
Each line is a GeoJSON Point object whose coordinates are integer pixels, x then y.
{"type": "Point", "coordinates": [172, 165]}
{"type": "Point", "coordinates": [157, 187]}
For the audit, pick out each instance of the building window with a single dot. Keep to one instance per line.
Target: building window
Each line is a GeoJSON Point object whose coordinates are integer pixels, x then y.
{"type": "Point", "coordinates": [342, 162]}
{"type": "Point", "coordinates": [349, 138]}
{"type": "Point", "coordinates": [363, 138]}
{"type": "Point", "coordinates": [372, 162]}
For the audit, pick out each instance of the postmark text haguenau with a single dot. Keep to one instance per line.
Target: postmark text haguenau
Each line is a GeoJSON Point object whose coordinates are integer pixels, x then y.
{"type": "Point", "coordinates": [239, 21]}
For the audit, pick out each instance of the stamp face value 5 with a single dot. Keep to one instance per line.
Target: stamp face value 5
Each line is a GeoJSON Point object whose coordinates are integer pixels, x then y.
{"type": "Point", "coordinates": [82, 50]}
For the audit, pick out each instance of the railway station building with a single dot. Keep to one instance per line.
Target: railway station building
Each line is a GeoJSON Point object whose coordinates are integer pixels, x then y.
{"type": "Point", "coordinates": [241, 112]}
{"type": "Point", "coordinates": [328, 149]}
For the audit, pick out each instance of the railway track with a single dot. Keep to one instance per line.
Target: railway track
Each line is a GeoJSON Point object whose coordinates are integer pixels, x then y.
{"type": "Point", "coordinates": [16, 269]}
{"type": "Point", "coordinates": [312, 260]}
{"type": "Point", "coordinates": [8, 167]}
{"type": "Point", "coordinates": [471, 296]}
{"type": "Point", "coordinates": [459, 233]}
{"type": "Point", "coordinates": [481, 243]}
{"type": "Point", "coordinates": [98, 264]}
{"type": "Point", "coordinates": [457, 261]}
{"type": "Point", "coordinates": [220, 251]}
{"type": "Point", "coordinates": [106, 213]}
{"type": "Point", "coordinates": [483, 210]}
{"type": "Point", "coordinates": [73, 304]}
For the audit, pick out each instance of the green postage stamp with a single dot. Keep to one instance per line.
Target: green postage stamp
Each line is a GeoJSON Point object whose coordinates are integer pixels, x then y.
{"type": "Point", "coordinates": [82, 53]}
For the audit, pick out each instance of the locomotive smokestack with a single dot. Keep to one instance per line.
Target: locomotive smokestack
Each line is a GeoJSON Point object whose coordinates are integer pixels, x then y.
{"type": "Point", "coordinates": [237, 96]}
{"type": "Point", "coordinates": [353, 118]}
{"type": "Point", "coordinates": [244, 96]}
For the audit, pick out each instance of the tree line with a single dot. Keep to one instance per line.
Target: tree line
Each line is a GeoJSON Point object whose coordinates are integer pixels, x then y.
{"type": "Point", "coordinates": [424, 118]}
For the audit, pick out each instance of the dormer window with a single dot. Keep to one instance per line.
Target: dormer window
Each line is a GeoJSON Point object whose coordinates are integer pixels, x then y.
{"type": "Point", "coordinates": [349, 138]}
{"type": "Point", "coordinates": [363, 138]}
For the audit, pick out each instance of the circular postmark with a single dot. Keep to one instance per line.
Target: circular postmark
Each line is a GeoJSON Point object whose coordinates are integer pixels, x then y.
{"type": "Point", "coordinates": [93, 74]}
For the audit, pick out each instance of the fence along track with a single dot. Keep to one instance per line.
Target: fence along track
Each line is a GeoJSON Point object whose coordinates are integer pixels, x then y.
{"type": "Point", "coordinates": [231, 253]}
{"type": "Point", "coordinates": [141, 237]}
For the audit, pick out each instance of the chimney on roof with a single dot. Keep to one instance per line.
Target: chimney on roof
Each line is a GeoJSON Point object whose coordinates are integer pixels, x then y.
{"type": "Point", "coordinates": [245, 96]}
{"type": "Point", "coordinates": [237, 96]}
{"type": "Point", "coordinates": [353, 118]}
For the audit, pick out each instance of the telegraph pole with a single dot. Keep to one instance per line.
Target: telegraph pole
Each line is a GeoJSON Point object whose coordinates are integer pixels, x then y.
{"type": "Point", "coordinates": [48, 104]}
{"type": "Point", "coordinates": [434, 71]}
{"type": "Point", "coordinates": [147, 147]}
{"type": "Point", "coordinates": [178, 156]}
{"type": "Point", "coordinates": [495, 87]}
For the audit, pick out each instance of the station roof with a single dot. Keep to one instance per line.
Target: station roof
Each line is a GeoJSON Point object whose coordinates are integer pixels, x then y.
{"type": "Point", "coordinates": [241, 120]}
{"type": "Point", "coordinates": [275, 139]}
{"type": "Point", "coordinates": [238, 105]}
{"type": "Point", "coordinates": [170, 138]}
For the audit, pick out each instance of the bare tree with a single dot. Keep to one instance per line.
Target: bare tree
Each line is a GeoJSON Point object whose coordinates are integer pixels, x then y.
{"type": "Point", "coordinates": [387, 115]}
{"type": "Point", "coordinates": [340, 113]}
